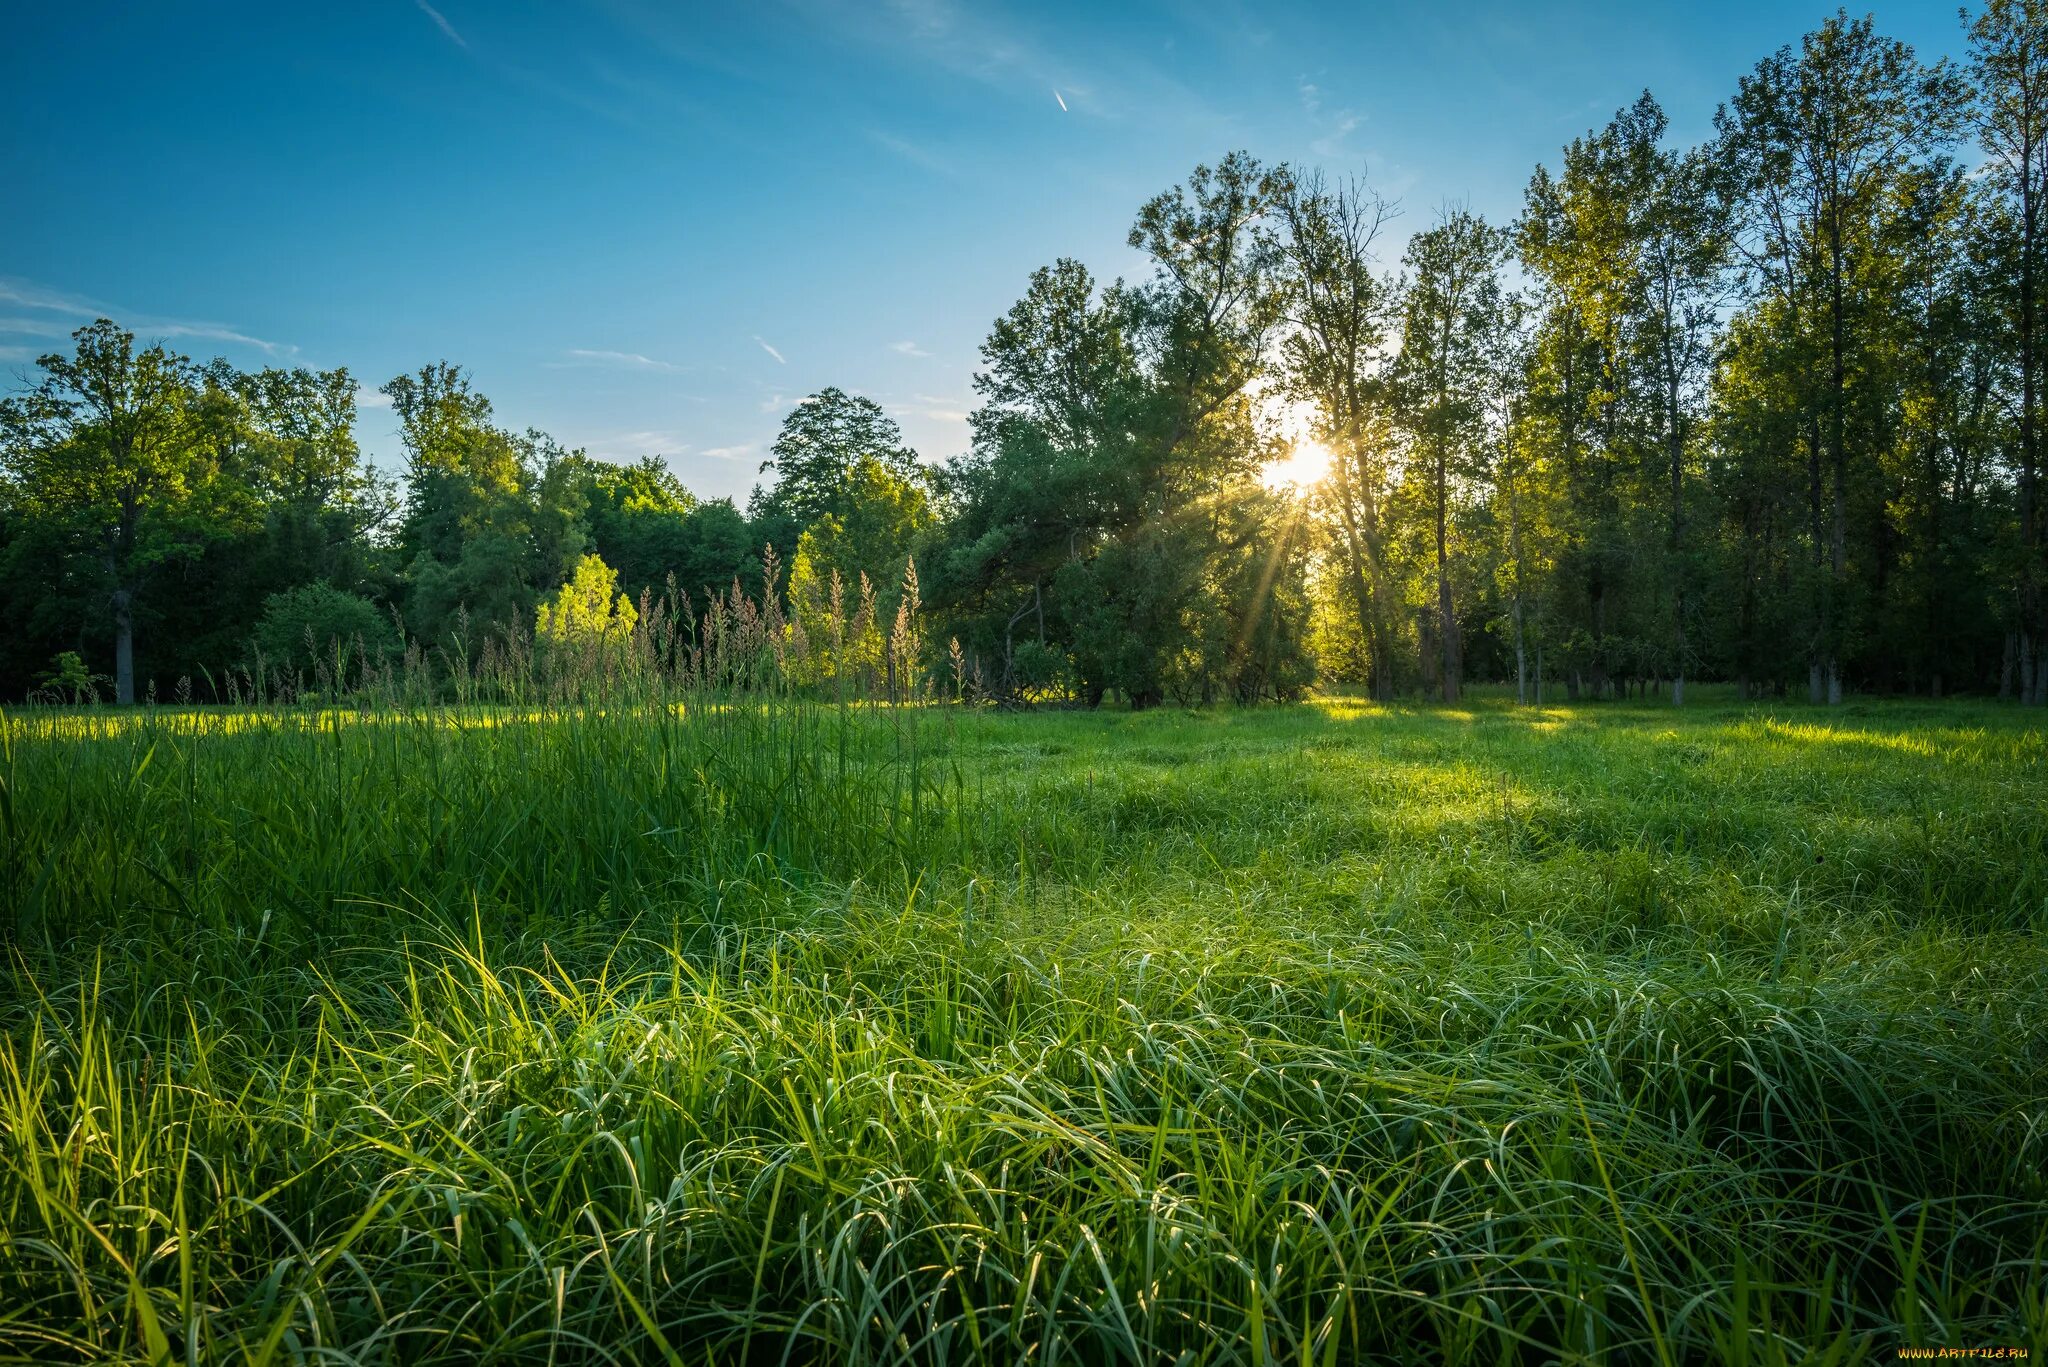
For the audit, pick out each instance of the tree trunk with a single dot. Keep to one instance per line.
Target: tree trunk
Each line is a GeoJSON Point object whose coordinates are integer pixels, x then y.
{"type": "Point", "coordinates": [1675, 437]}
{"type": "Point", "coordinates": [1601, 681]}
{"type": "Point", "coordinates": [124, 646]}
{"type": "Point", "coordinates": [1838, 436]}
{"type": "Point", "coordinates": [1521, 659]}
{"type": "Point", "coordinates": [1447, 623]}
{"type": "Point", "coordinates": [2031, 616]}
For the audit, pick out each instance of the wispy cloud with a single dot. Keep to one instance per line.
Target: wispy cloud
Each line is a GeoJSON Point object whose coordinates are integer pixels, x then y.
{"type": "Point", "coordinates": [770, 350]}
{"type": "Point", "coordinates": [1335, 125]}
{"type": "Point", "coordinates": [744, 451]}
{"type": "Point", "coordinates": [213, 332]}
{"type": "Point", "coordinates": [29, 295]}
{"type": "Point", "coordinates": [932, 408]}
{"type": "Point", "coordinates": [1024, 57]}
{"type": "Point", "coordinates": [908, 349]}
{"type": "Point", "coordinates": [774, 403]}
{"type": "Point", "coordinates": [367, 397]}
{"type": "Point", "coordinates": [629, 446]}
{"type": "Point", "coordinates": [33, 327]}
{"type": "Point", "coordinates": [16, 353]}
{"type": "Point", "coordinates": [620, 360]}
{"type": "Point", "coordinates": [915, 153]}
{"type": "Point", "coordinates": [441, 22]}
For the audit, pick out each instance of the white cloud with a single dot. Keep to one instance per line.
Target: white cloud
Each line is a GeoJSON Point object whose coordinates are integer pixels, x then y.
{"type": "Point", "coordinates": [773, 402]}
{"type": "Point", "coordinates": [29, 295]}
{"type": "Point", "coordinates": [16, 353]}
{"type": "Point", "coordinates": [770, 350]}
{"type": "Point", "coordinates": [367, 397]}
{"type": "Point", "coordinates": [744, 451]}
{"type": "Point", "coordinates": [214, 332]}
{"type": "Point", "coordinates": [930, 408]}
{"type": "Point", "coordinates": [622, 360]}
{"type": "Point", "coordinates": [33, 327]}
{"type": "Point", "coordinates": [1335, 125]}
{"type": "Point", "coordinates": [632, 446]}
{"type": "Point", "coordinates": [908, 349]}
{"type": "Point", "coordinates": [441, 22]}
{"type": "Point", "coordinates": [914, 153]}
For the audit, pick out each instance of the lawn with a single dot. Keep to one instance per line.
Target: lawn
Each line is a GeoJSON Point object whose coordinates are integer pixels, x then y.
{"type": "Point", "coordinates": [1318, 1034]}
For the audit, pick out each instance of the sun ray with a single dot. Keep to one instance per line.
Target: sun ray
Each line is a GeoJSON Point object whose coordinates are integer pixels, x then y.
{"type": "Point", "coordinates": [1306, 464]}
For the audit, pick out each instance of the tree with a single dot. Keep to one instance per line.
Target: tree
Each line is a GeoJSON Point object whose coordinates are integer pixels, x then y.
{"type": "Point", "coordinates": [823, 440]}
{"type": "Point", "coordinates": [1332, 357]}
{"type": "Point", "coordinates": [1813, 143]}
{"type": "Point", "coordinates": [1449, 309]}
{"type": "Point", "coordinates": [105, 449]}
{"type": "Point", "coordinates": [468, 537]}
{"type": "Point", "coordinates": [1682, 251]}
{"type": "Point", "coordinates": [1115, 452]}
{"type": "Point", "coordinates": [587, 611]}
{"type": "Point", "coordinates": [321, 501]}
{"type": "Point", "coordinates": [319, 628]}
{"type": "Point", "coordinates": [2009, 59]}
{"type": "Point", "coordinates": [881, 515]}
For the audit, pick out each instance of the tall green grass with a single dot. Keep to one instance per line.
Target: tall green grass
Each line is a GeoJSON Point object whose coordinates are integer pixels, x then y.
{"type": "Point", "coordinates": [759, 1026]}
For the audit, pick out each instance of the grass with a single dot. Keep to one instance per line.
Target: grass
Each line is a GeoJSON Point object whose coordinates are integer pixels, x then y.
{"type": "Point", "coordinates": [786, 1032]}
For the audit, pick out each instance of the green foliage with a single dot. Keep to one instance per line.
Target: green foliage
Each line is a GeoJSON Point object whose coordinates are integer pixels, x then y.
{"type": "Point", "coordinates": [1109, 511]}
{"type": "Point", "coordinates": [824, 441]}
{"type": "Point", "coordinates": [111, 455]}
{"type": "Point", "coordinates": [68, 680]}
{"type": "Point", "coordinates": [878, 519]}
{"type": "Point", "coordinates": [473, 535]}
{"type": "Point", "coordinates": [588, 610]}
{"type": "Point", "coordinates": [317, 629]}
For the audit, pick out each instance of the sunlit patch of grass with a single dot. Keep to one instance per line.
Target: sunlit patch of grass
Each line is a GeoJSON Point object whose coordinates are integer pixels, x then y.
{"type": "Point", "coordinates": [1323, 1034]}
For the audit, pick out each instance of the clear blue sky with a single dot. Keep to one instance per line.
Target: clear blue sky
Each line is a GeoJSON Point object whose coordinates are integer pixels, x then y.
{"type": "Point", "coordinates": [649, 228]}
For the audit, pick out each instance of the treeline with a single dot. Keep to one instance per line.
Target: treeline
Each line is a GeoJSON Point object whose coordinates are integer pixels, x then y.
{"type": "Point", "coordinates": [1765, 410]}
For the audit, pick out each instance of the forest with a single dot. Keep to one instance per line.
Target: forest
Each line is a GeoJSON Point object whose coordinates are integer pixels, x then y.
{"type": "Point", "coordinates": [1763, 411]}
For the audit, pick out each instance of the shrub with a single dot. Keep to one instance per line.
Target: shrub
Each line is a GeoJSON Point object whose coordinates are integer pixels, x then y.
{"type": "Point", "coordinates": [317, 627]}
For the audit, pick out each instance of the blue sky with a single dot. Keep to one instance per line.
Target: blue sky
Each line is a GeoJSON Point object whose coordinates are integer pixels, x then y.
{"type": "Point", "coordinates": [651, 228]}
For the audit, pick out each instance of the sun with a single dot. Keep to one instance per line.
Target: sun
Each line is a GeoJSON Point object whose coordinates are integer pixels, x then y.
{"type": "Point", "coordinates": [1306, 464]}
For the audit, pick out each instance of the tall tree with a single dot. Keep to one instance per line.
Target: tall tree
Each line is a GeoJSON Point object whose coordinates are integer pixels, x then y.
{"type": "Point", "coordinates": [468, 537]}
{"type": "Point", "coordinates": [1333, 357]}
{"type": "Point", "coordinates": [2009, 59]}
{"type": "Point", "coordinates": [105, 448]}
{"type": "Point", "coordinates": [1813, 142]}
{"type": "Point", "coordinates": [823, 441]}
{"type": "Point", "coordinates": [1453, 296]}
{"type": "Point", "coordinates": [1681, 252]}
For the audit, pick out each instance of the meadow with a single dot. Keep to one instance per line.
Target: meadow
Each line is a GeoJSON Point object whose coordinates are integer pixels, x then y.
{"type": "Point", "coordinates": [793, 1031]}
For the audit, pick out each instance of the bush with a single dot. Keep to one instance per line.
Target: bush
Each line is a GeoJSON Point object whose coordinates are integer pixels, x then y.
{"type": "Point", "coordinates": [318, 627]}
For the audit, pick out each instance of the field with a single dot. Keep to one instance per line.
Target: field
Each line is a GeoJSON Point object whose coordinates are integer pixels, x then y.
{"type": "Point", "coordinates": [792, 1032]}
